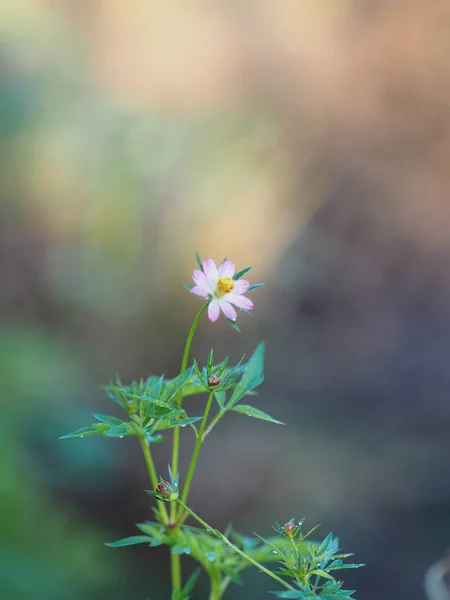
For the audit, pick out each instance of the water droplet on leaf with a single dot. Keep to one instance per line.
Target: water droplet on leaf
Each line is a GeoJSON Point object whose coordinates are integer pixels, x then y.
{"type": "Point", "coordinates": [120, 436]}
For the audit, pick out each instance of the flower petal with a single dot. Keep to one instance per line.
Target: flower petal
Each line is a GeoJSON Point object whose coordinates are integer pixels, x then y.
{"type": "Point", "coordinates": [210, 269]}
{"type": "Point", "coordinates": [200, 280]}
{"type": "Point", "coordinates": [213, 310]}
{"type": "Point", "coordinates": [227, 310]}
{"type": "Point", "coordinates": [199, 291]}
{"type": "Point", "coordinates": [226, 269]}
{"type": "Point", "coordinates": [241, 286]}
{"type": "Point", "coordinates": [239, 301]}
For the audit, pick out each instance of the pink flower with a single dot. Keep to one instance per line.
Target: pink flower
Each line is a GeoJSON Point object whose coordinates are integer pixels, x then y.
{"type": "Point", "coordinates": [218, 285]}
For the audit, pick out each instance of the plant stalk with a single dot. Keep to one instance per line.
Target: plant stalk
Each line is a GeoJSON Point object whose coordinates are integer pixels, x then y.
{"type": "Point", "coordinates": [230, 545]}
{"type": "Point", "coordinates": [198, 444]}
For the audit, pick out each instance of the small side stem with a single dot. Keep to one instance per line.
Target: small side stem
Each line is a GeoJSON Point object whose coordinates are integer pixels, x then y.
{"type": "Point", "coordinates": [153, 476]}
{"type": "Point", "coordinates": [230, 545]}
{"type": "Point", "coordinates": [196, 451]}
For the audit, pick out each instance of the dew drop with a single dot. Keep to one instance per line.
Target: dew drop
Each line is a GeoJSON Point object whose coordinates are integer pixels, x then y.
{"type": "Point", "coordinates": [120, 436]}
{"type": "Point", "coordinates": [81, 436]}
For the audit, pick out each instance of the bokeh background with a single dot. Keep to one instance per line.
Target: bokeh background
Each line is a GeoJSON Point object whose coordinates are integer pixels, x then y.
{"type": "Point", "coordinates": [309, 138]}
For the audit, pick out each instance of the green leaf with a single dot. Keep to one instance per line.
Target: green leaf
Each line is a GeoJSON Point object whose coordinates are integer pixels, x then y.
{"type": "Point", "coordinates": [96, 429]}
{"type": "Point", "coordinates": [232, 575]}
{"type": "Point", "coordinates": [174, 480]}
{"type": "Point", "coordinates": [180, 549]}
{"type": "Point", "coordinates": [321, 573]}
{"type": "Point", "coordinates": [252, 377]}
{"type": "Point", "coordinates": [254, 287]}
{"type": "Point", "coordinates": [184, 422]}
{"type": "Point", "coordinates": [154, 439]}
{"type": "Point", "coordinates": [220, 398]}
{"type": "Point", "coordinates": [119, 431]}
{"type": "Point", "coordinates": [108, 420]}
{"type": "Point", "coordinates": [240, 274]}
{"type": "Point", "coordinates": [175, 385]}
{"type": "Point", "coordinates": [199, 262]}
{"type": "Point", "coordinates": [210, 363]}
{"type": "Point", "coordinates": [130, 541]}
{"type": "Point", "coordinates": [189, 287]}
{"type": "Point", "coordinates": [298, 594]}
{"type": "Point", "coordinates": [250, 411]}
{"type": "Point", "coordinates": [234, 325]}
{"type": "Point", "coordinates": [190, 584]}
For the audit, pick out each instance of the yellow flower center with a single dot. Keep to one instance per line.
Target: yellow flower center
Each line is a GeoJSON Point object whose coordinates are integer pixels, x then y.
{"type": "Point", "coordinates": [225, 285]}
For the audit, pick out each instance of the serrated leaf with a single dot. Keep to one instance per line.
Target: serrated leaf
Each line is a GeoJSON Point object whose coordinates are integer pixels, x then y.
{"type": "Point", "coordinates": [252, 377]}
{"type": "Point", "coordinates": [250, 411]}
{"type": "Point", "coordinates": [240, 274]}
{"type": "Point", "coordinates": [175, 385]}
{"type": "Point", "coordinates": [113, 421]}
{"type": "Point", "coordinates": [130, 541]}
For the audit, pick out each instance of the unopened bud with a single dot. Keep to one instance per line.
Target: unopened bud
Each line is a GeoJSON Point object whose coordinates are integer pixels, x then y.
{"type": "Point", "coordinates": [289, 528]}
{"type": "Point", "coordinates": [213, 381]}
{"type": "Point", "coordinates": [162, 489]}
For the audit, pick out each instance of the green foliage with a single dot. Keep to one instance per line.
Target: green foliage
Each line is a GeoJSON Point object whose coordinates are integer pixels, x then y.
{"type": "Point", "coordinates": [253, 376]}
{"type": "Point", "coordinates": [250, 411]}
{"type": "Point", "coordinates": [311, 570]}
{"type": "Point", "coordinates": [221, 563]}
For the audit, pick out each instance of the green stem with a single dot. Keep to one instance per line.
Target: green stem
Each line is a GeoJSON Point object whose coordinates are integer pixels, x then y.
{"type": "Point", "coordinates": [213, 424]}
{"type": "Point", "coordinates": [216, 589]}
{"type": "Point", "coordinates": [153, 476]}
{"type": "Point", "coordinates": [175, 558]}
{"type": "Point", "coordinates": [176, 431]}
{"type": "Point", "coordinates": [196, 451]}
{"type": "Point", "coordinates": [230, 545]}
{"type": "Point", "coordinates": [175, 564]}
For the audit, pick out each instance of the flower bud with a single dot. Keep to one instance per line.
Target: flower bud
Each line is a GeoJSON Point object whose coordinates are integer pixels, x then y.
{"type": "Point", "coordinates": [289, 528]}
{"type": "Point", "coordinates": [162, 489]}
{"type": "Point", "coordinates": [213, 381]}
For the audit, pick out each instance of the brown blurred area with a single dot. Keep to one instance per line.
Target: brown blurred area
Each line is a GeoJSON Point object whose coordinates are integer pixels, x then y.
{"type": "Point", "coordinates": [308, 138]}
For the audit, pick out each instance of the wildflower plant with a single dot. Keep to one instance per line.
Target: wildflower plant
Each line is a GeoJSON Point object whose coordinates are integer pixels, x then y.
{"type": "Point", "coordinates": [301, 569]}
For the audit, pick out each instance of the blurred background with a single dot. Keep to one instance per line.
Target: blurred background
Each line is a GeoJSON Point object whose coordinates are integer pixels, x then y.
{"type": "Point", "coordinates": [310, 139]}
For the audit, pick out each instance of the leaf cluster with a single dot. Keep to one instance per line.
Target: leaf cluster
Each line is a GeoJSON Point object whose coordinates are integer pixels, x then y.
{"type": "Point", "coordinates": [313, 569]}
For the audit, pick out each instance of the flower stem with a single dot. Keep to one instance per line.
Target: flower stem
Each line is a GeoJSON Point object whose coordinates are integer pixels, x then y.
{"type": "Point", "coordinates": [175, 558]}
{"type": "Point", "coordinates": [175, 564]}
{"type": "Point", "coordinates": [179, 400]}
{"type": "Point", "coordinates": [153, 476]}
{"type": "Point", "coordinates": [196, 451]}
{"type": "Point", "coordinates": [230, 545]}
{"type": "Point", "coordinates": [216, 589]}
